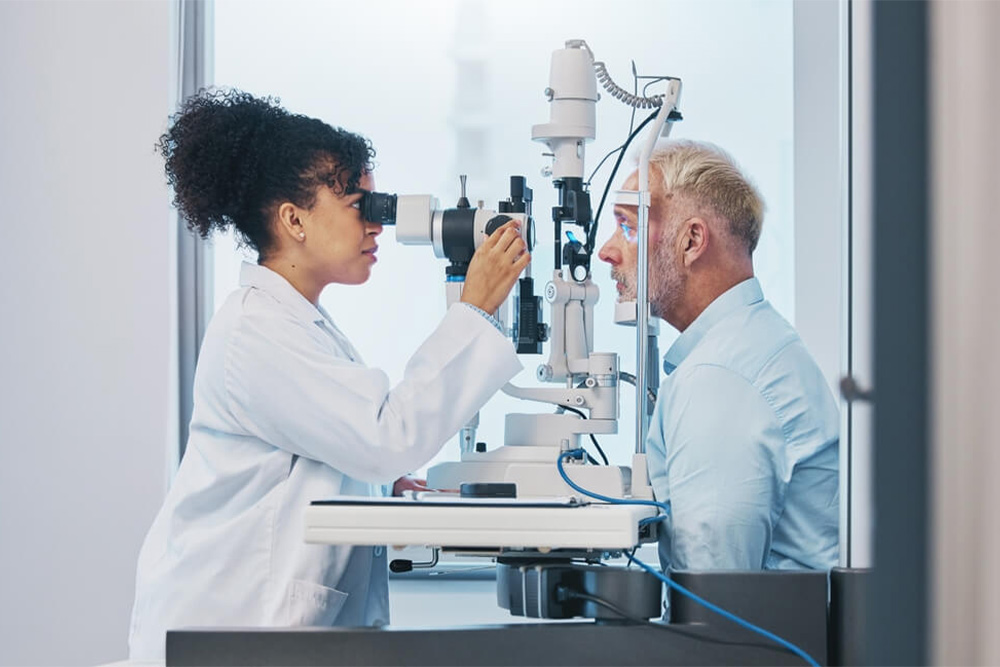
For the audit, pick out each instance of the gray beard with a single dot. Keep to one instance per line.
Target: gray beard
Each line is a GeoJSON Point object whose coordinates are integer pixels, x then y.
{"type": "Point", "coordinates": [666, 281]}
{"type": "Point", "coordinates": [629, 283]}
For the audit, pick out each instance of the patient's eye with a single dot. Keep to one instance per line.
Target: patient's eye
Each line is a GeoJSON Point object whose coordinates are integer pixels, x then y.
{"type": "Point", "coordinates": [631, 233]}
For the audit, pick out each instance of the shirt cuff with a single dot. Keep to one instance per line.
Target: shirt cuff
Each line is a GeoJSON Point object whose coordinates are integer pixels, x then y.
{"type": "Point", "coordinates": [489, 318]}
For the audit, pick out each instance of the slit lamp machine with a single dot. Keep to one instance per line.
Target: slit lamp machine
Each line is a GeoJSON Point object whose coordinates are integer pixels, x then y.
{"type": "Point", "coordinates": [536, 494]}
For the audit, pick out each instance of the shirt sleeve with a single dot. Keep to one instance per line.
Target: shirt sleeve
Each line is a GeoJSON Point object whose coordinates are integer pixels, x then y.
{"type": "Point", "coordinates": [288, 388]}
{"type": "Point", "coordinates": [718, 461]}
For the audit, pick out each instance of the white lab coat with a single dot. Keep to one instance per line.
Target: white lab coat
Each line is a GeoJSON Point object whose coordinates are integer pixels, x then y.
{"type": "Point", "coordinates": [285, 412]}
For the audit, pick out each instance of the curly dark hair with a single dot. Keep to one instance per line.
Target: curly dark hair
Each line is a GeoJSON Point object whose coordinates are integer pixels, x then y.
{"type": "Point", "coordinates": [232, 158]}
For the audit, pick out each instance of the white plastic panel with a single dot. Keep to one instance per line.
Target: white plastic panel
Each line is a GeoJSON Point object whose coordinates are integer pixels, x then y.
{"type": "Point", "coordinates": [476, 524]}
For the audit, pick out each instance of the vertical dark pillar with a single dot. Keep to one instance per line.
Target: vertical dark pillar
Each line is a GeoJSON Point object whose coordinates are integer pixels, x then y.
{"type": "Point", "coordinates": [898, 605]}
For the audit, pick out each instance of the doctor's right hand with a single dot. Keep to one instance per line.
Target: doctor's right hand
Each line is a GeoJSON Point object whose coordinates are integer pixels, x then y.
{"type": "Point", "coordinates": [495, 267]}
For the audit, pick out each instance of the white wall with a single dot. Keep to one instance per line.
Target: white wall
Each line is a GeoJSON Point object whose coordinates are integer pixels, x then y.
{"type": "Point", "coordinates": [86, 289]}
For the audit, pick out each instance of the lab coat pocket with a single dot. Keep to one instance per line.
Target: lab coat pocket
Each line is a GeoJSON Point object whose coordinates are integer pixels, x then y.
{"type": "Point", "coordinates": [308, 603]}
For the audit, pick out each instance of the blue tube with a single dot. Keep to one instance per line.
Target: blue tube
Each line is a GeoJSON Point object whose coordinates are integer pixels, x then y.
{"type": "Point", "coordinates": [579, 453]}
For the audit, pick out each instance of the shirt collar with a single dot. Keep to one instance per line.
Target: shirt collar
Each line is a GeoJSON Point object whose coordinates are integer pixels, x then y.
{"type": "Point", "coordinates": [738, 296]}
{"type": "Point", "coordinates": [263, 278]}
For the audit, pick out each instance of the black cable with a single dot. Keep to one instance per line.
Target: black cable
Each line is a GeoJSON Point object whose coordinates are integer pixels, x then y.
{"type": "Point", "coordinates": [592, 237]}
{"type": "Point", "coordinates": [631, 122]}
{"type": "Point", "coordinates": [607, 605]}
{"type": "Point", "coordinates": [600, 451]}
{"type": "Point", "coordinates": [574, 411]}
{"type": "Point", "coordinates": [603, 160]}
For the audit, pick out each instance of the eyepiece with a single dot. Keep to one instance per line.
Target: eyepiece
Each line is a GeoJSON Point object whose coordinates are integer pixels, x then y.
{"type": "Point", "coordinates": [379, 208]}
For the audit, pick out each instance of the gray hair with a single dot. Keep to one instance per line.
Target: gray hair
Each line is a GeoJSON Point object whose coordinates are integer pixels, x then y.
{"type": "Point", "coordinates": [708, 176]}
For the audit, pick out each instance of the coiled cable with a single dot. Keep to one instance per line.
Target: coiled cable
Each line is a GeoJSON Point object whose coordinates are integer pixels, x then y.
{"type": "Point", "coordinates": [622, 95]}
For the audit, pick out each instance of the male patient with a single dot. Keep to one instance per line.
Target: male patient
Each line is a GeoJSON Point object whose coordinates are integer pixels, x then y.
{"type": "Point", "coordinates": [743, 442]}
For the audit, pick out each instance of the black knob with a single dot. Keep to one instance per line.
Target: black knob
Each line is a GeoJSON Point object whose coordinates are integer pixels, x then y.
{"type": "Point", "coordinates": [496, 222]}
{"type": "Point", "coordinates": [480, 447]}
{"type": "Point", "coordinates": [463, 201]}
{"type": "Point", "coordinates": [400, 565]}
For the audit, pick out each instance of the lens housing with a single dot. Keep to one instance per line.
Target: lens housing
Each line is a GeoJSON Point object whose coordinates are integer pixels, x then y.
{"type": "Point", "coordinates": [378, 208]}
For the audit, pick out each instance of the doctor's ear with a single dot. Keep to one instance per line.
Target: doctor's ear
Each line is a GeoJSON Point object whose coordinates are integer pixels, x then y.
{"type": "Point", "coordinates": [694, 239]}
{"type": "Point", "coordinates": [290, 222]}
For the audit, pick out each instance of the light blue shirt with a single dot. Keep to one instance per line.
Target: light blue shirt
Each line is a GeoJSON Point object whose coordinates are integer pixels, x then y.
{"type": "Point", "coordinates": [489, 318]}
{"type": "Point", "coordinates": [743, 444]}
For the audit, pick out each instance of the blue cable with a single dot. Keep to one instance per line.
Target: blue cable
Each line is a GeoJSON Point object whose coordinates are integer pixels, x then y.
{"type": "Point", "coordinates": [725, 614]}
{"type": "Point", "coordinates": [579, 453]}
{"type": "Point", "coordinates": [652, 519]}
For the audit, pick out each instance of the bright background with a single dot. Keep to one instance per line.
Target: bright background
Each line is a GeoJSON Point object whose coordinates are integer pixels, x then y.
{"type": "Point", "coordinates": [454, 86]}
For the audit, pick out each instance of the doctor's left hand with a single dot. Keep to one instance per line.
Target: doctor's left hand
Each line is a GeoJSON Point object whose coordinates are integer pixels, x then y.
{"type": "Point", "coordinates": [409, 483]}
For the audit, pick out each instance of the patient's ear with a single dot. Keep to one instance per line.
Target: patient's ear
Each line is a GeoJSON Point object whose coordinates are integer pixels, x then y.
{"type": "Point", "coordinates": [693, 239]}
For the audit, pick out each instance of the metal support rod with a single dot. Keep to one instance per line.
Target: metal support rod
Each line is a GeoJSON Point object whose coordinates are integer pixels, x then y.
{"type": "Point", "coordinates": [642, 296]}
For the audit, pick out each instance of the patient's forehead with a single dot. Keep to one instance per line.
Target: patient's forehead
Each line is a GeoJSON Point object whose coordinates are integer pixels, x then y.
{"type": "Point", "coordinates": [632, 182]}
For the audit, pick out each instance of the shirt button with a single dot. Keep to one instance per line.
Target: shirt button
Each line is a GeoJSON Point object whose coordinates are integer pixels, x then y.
{"type": "Point", "coordinates": [378, 554]}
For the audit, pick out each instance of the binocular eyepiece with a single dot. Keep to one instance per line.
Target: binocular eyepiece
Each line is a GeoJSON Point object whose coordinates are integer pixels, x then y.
{"type": "Point", "coordinates": [378, 208]}
{"type": "Point", "coordinates": [454, 233]}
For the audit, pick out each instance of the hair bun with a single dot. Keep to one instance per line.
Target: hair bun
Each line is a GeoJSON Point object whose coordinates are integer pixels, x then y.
{"type": "Point", "coordinates": [215, 152]}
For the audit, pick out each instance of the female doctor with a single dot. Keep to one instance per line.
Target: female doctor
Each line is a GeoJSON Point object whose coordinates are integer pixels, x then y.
{"type": "Point", "coordinates": [285, 410]}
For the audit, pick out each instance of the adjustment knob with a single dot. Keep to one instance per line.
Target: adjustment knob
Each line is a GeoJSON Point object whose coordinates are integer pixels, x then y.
{"type": "Point", "coordinates": [463, 201]}
{"type": "Point", "coordinates": [496, 222]}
